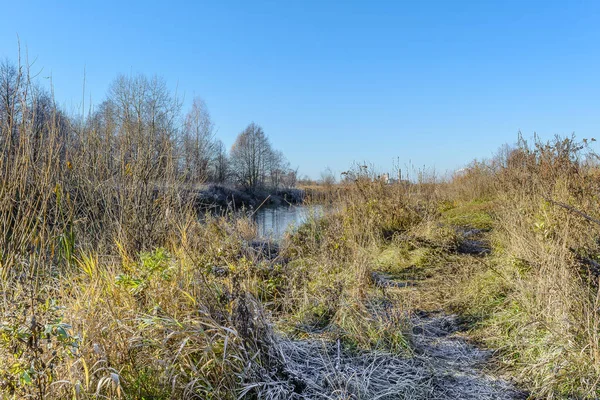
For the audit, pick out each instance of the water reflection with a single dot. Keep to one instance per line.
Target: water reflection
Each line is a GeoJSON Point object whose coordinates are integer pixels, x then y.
{"type": "Point", "coordinates": [273, 222]}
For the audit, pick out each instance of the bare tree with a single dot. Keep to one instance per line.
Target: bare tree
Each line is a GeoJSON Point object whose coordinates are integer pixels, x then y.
{"type": "Point", "coordinates": [220, 163]}
{"type": "Point", "coordinates": [290, 178]}
{"type": "Point", "coordinates": [249, 156]}
{"type": "Point", "coordinates": [254, 162]}
{"type": "Point", "coordinates": [328, 177]}
{"type": "Point", "coordinates": [10, 82]}
{"type": "Point", "coordinates": [142, 114]}
{"type": "Point", "coordinates": [136, 131]}
{"type": "Point", "coordinates": [198, 146]}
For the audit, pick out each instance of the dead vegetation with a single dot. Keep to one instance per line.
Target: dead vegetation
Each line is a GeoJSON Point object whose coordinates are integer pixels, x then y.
{"type": "Point", "coordinates": [113, 287]}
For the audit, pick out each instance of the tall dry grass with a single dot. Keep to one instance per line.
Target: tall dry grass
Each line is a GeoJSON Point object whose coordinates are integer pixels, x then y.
{"type": "Point", "coordinates": [113, 287]}
{"type": "Point", "coordinates": [107, 285]}
{"type": "Point", "coordinates": [537, 299]}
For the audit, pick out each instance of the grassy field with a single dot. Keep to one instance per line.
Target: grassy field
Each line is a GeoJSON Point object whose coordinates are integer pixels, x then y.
{"type": "Point", "coordinates": [120, 291]}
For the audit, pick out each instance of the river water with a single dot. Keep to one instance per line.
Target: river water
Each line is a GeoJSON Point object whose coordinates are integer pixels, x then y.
{"type": "Point", "coordinates": [273, 222]}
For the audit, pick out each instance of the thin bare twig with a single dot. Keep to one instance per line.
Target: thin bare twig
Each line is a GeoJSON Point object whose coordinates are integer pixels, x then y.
{"type": "Point", "coordinates": [572, 209]}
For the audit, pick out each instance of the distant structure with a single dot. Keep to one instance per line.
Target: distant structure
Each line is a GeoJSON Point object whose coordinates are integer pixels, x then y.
{"type": "Point", "coordinates": [385, 178]}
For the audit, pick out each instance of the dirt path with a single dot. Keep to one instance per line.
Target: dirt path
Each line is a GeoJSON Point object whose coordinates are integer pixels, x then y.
{"type": "Point", "coordinates": [444, 365]}
{"type": "Point", "coordinates": [459, 369]}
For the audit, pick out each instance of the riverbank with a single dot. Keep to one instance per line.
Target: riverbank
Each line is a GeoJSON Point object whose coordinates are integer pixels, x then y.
{"type": "Point", "coordinates": [481, 287]}
{"type": "Point", "coordinates": [228, 198]}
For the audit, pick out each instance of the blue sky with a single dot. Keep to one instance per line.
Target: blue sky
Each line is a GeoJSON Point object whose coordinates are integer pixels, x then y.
{"type": "Point", "coordinates": [434, 83]}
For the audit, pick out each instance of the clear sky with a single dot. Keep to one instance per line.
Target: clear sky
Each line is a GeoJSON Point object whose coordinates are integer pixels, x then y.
{"type": "Point", "coordinates": [437, 83]}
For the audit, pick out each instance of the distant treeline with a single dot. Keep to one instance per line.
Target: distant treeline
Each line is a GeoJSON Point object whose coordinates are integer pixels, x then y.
{"type": "Point", "coordinates": [139, 131]}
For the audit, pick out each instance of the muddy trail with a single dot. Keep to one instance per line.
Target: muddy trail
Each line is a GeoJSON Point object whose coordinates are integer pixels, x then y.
{"type": "Point", "coordinates": [444, 364]}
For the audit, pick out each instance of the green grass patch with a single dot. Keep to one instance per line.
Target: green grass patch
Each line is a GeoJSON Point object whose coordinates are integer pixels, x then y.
{"type": "Point", "coordinates": [474, 214]}
{"type": "Point", "coordinates": [404, 263]}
